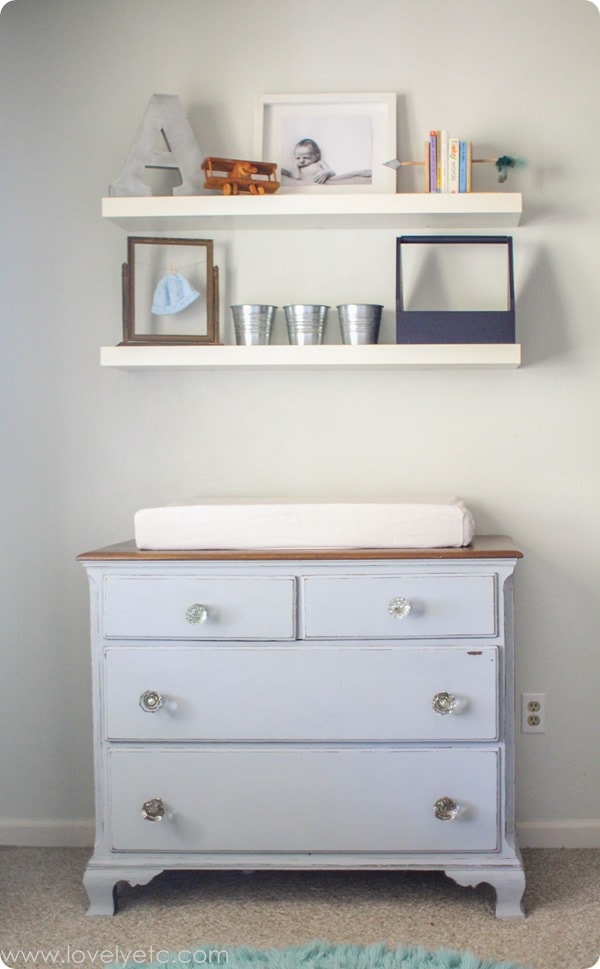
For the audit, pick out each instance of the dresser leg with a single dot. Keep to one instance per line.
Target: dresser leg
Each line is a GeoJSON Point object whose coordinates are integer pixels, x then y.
{"type": "Point", "coordinates": [509, 884]}
{"type": "Point", "coordinates": [100, 887]}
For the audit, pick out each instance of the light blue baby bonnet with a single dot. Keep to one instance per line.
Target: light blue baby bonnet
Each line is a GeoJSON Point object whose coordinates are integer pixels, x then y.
{"type": "Point", "coordinates": [173, 294]}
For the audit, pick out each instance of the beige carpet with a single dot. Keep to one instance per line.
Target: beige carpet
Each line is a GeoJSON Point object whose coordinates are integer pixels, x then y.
{"type": "Point", "coordinates": [42, 906]}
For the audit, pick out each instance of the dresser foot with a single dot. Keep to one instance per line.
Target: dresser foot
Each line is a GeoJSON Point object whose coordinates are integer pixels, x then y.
{"type": "Point", "coordinates": [100, 886]}
{"type": "Point", "coordinates": [509, 884]}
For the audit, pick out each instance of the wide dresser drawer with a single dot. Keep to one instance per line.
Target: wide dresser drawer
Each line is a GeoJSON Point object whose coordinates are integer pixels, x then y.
{"type": "Point", "coordinates": [199, 607]}
{"type": "Point", "coordinates": [301, 692]}
{"type": "Point", "coordinates": [399, 606]}
{"type": "Point", "coordinates": [303, 799]}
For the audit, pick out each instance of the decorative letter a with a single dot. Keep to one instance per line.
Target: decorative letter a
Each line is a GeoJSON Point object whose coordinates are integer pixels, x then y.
{"type": "Point", "coordinates": [164, 116]}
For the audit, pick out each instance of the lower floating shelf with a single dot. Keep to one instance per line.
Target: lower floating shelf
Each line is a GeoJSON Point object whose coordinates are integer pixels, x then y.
{"type": "Point", "coordinates": [442, 356]}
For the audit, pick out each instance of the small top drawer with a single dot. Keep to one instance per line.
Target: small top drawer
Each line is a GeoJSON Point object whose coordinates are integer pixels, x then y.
{"type": "Point", "coordinates": [399, 606]}
{"type": "Point", "coordinates": [198, 607]}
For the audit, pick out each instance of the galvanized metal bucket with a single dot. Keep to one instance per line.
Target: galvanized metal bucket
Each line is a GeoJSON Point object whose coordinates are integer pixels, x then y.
{"type": "Point", "coordinates": [360, 322]}
{"type": "Point", "coordinates": [306, 322]}
{"type": "Point", "coordinates": [253, 323]}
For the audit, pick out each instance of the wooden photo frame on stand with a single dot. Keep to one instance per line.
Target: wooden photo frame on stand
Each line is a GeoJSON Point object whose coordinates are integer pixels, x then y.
{"type": "Point", "coordinates": [170, 292]}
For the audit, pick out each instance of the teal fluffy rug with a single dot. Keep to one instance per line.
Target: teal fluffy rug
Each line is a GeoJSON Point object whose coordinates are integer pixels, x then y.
{"type": "Point", "coordinates": [317, 955]}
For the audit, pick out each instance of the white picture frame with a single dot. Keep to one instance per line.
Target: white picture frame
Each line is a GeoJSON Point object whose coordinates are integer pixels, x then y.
{"type": "Point", "coordinates": [353, 136]}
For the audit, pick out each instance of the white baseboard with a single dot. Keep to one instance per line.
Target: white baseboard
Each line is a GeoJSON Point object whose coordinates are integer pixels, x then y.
{"type": "Point", "coordinates": [79, 833]}
{"type": "Point", "coordinates": [569, 833]}
{"type": "Point", "coordinates": [76, 833]}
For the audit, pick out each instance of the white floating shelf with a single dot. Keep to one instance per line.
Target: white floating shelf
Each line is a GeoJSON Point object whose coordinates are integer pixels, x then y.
{"type": "Point", "coordinates": [316, 211]}
{"type": "Point", "coordinates": [464, 356]}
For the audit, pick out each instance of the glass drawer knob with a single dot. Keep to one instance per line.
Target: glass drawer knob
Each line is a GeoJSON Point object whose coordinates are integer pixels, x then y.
{"type": "Point", "coordinates": [444, 703]}
{"type": "Point", "coordinates": [153, 810]}
{"type": "Point", "coordinates": [399, 608]}
{"type": "Point", "coordinates": [196, 614]}
{"type": "Point", "coordinates": [445, 809]}
{"type": "Point", "coordinates": [151, 701]}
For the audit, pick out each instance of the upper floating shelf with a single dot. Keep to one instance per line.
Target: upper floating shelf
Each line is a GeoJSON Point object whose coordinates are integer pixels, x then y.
{"type": "Point", "coordinates": [474, 210]}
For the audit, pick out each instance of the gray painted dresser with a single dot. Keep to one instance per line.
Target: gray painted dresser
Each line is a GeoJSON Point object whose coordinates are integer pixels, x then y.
{"type": "Point", "coordinates": [349, 709]}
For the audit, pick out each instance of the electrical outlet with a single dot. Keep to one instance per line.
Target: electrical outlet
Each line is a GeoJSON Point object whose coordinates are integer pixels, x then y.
{"type": "Point", "coordinates": [533, 713]}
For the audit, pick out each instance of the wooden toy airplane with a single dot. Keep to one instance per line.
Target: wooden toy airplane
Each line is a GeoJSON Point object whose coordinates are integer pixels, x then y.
{"type": "Point", "coordinates": [234, 176]}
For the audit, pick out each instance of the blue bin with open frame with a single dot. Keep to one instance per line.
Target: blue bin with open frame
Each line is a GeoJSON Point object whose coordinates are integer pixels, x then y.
{"type": "Point", "coordinates": [439, 325]}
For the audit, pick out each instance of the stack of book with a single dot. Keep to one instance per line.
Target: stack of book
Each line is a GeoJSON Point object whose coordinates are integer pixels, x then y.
{"type": "Point", "coordinates": [447, 163]}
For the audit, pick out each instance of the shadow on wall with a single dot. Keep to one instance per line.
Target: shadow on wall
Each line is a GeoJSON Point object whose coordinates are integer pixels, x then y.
{"type": "Point", "coordinates": [541, 311]}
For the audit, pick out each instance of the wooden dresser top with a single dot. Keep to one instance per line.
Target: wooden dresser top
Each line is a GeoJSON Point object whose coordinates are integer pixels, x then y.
{"type": "Point", "coordinates": [482, 546]}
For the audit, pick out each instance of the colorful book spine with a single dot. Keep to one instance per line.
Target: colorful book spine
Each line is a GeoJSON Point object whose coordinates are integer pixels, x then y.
{"type": "Point", "coordinates": [453, 153]}
{"type": "Point", "coordinates": [462, 167]}
{"type": "Point", "coordinates": [443, 156]}
{"type": "Point", "coordinates": [469, 165]}
{"type": "Point", "coordinates": [432, 161]}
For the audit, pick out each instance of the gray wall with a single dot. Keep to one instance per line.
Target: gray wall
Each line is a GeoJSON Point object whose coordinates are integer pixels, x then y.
{"type": "Point", "coordinates": [84, 447]}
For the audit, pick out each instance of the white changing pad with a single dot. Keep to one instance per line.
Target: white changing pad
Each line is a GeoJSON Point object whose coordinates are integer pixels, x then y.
{"type": "Point", "coordinates": [263, 523]}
